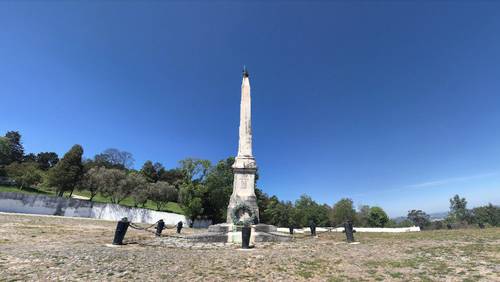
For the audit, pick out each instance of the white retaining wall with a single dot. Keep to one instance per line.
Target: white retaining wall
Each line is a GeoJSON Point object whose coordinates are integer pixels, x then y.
{"type": "Point", "coordinates": [42, 204]}
{"type": "Point", "coordinates": [381, 229]}
{"type": "Point", "coordinates": [358, 229]}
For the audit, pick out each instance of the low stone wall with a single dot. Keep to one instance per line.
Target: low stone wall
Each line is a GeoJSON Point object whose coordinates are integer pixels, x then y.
{"type": "Point", "coordinates": [358, 229]}
{"type": "Point", "coordinates": [42, 204]}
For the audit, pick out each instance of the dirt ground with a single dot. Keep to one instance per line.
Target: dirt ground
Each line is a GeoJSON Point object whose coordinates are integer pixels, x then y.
{"type": "Point", "coordinates": [51, 248]}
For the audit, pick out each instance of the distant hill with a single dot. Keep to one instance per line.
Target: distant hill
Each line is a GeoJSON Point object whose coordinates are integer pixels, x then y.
{"type": "Point", "coordinates": [438, 215]}
{"type": "Point", "coordinates": [434, 216]}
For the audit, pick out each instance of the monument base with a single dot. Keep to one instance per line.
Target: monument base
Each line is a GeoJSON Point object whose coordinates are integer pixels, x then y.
{"type": "Point", "coordinates": [230, 233]}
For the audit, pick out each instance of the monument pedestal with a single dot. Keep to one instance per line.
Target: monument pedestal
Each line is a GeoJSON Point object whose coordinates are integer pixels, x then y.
{"type": "Point", "coordinates": [244, 169]}
{"type": "Point", "coordinates": [230, 233]}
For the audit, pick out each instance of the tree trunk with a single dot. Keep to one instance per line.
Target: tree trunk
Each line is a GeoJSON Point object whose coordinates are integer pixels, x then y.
{"type": "Point", "coordinates": [71, 193]}
{"type": "Point", "coordinates": [60, 193]}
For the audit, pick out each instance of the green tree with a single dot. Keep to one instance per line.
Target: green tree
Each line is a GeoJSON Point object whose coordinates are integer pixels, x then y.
{"type": "Point", "coordinates": [270, 213]}
{"type": "Point", "coordinates": [377, 217]}
{"type": "Point", "coordinates": [114, 158]}
{"type": "Point", "coordinates": [159, 168]}
{"type": "Point", "coordinates": [66, 174]}
{"type": "Point", "coordinates": [149, 171]}
{"type": "Point", "coordinates": [419, 218]}
{"type": "Point", "coordinates": [219, 186]}
{"type": "Point", "coordinates": [47, 160]}
{"type": "Point", "coordinates": [115, 185]}
{"type": "Point", "coordinates": [195, 170]}
{"type": "Point", "coordinates": [173, 176]}
{"type": "Point", "coordinates": [138, 186]}
{"type": "Point", "coordinates": [343, 211]}
{"type": "Point", "coordinates": [405, 223]}
{"type": "Point", "coordinates": [263, 202]}
{"type": "Point", "coordinates": [296, 218]}
{"type": "Point", "coordinates": [458, 210]}
{"type": "Point", "coordinates": [287, 215]}
{"type": "Point", "coordinates": [4, 153]}
{"type": "Point", "coordinates": [29, 158]}
{"type": "Point", "coordinates": [92, 180]}
{"type": "Point", "coordinates": [161, 193]}
{"type": "Point", "coordinates": [312, 211]}
{"type": "Point", "coordinates": [489, 214]}
{"type": "Point", "coordinates": [190, 198]}
{"type": "Point", "coordinates": [274, 211]}
{"type": "Point", "coordinates": [140, 189]}
{"type": "Point", "coordinates": [141, 196]}
{"type": "Point", "coordinates": [362, 215]}
{"type": "Point", "coordinates": [284, 214]}
{"type": "Point", "coordinates": [16, 149]}
{"type": "Point", "coordinates": [24, 174]}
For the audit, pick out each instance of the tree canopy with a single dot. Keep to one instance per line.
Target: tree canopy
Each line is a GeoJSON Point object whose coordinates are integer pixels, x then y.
{"type": "Point", "coordinates": [343, 211]}
{"type": "Point", "coordinates": [201, 189]}
{"type": "Point", "coordinates": [24, 174]}
{"type": "Point", "coordinates": [11, 148]}
{"type": "Point", "coordinates": [377, 217]}
{"type": "Point", "coordinates": [47, 160]}
{"type": "Point", "coordinates": [114, 158]}
{"type": "Point", "coordinates": [161, 193]}
{"type": "Point", "coordinates": [66, 174]}
{"type": "Point", "coordinates": [419, 218]}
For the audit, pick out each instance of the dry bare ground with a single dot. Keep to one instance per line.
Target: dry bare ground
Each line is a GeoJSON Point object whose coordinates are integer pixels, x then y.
{"type": "Point", "coordinates": [51, 248]}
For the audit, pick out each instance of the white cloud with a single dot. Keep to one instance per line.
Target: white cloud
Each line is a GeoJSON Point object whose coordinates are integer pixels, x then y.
{"type": "Point", "coordinates": [429, 184]}
{"type": "Point", "coordinates": [450, 180]}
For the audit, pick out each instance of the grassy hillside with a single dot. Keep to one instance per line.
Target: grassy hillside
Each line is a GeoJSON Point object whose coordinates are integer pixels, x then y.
{"type": "Point", "coordinates": [170, 207]}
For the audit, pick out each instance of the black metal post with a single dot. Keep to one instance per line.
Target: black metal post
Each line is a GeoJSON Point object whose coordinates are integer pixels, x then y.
{"type": "Point", "coordinates": [312, 225]}
{"type": "Point", "coordinates": [246, 231]}
{"type": "Point", "coordinates": [159, 227]}
{"type": "Point", "coordinates": [349, 232]}
{"type": "Point", "coordinates": [121, 230]}
{"type": "Point", "coordinates": [179, 227]}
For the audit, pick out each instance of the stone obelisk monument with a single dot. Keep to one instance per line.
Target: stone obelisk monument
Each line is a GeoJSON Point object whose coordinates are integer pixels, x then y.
{"type": "Point", "coordinates": [242, 208]}
{"type": "Point", "coordinates": [244, 166]}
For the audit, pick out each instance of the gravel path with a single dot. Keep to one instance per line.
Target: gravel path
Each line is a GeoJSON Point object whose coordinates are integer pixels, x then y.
{"type": "Point", "coordinates": [52, 248]}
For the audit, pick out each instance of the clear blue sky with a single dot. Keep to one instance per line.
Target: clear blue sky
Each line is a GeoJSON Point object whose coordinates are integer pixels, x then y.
{"type": "Point", "coordinates": [390, 104]}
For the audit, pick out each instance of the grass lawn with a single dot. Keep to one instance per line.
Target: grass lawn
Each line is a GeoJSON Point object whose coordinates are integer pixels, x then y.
{"type": "Point", "coordinates": [25, 190]}
{"type": "Point", "coordinates": [170, 207]}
